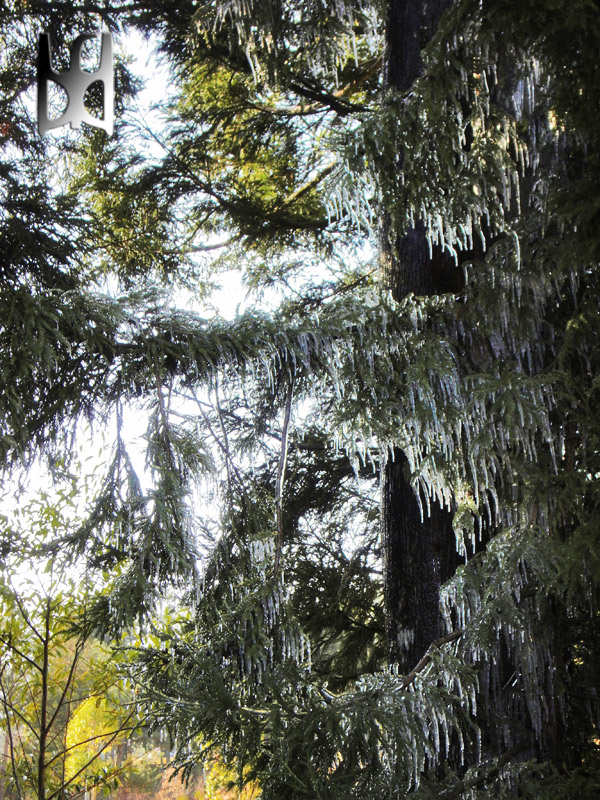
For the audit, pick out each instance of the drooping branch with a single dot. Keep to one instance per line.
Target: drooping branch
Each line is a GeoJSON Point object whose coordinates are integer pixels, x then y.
{"type": "Point", "coordinates": [281, 473]}
{"type": "Point", "coordinates": [467, 785]}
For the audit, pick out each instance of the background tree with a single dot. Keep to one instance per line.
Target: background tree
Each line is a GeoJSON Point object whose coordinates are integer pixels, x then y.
{"type": "Point", "coordinates": [50, 678]}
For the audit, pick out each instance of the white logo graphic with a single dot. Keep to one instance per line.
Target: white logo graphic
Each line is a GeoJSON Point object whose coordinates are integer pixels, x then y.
{"type": "Point", "coordinates": [75, 82]}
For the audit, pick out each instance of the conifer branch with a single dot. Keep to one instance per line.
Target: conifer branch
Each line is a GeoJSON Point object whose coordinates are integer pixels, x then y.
{"type": "Point", "coordinates": [334, 100]}
{"type": "Point", "coordinates": [281, 473]}
{"type": "Point", "coordinates": [322, 99]}
{"type": "Point", "coordinates": [223, 446]}
{"type": "Point", "coordinates": [480, 780]}
{"type": "Point", "coordinates": [310, 184]}
{"type": "Point", "coordinates": [163, 417]}
{"type": "Point", "coordinates": [227, 450]}
{"type": "Point", "coordinates": [450, 637]}
{"type": "Point", "coordinates": [204, 248]}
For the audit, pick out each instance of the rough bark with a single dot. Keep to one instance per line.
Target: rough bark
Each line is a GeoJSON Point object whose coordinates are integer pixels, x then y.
{"type": "Point", "coordinates": [419, 554]}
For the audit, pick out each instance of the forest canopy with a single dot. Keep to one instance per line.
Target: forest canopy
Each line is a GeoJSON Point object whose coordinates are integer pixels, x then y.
{"type": "Point", "coordinates": [354, 554]}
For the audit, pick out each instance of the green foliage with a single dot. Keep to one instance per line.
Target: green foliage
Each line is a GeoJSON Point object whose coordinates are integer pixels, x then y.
{"type": "Point", "coordinates": [49, 678]}
{"type": "Point", "coordinates": [279, 146]}
{"type": "Point", "coordinates": [250, 151]}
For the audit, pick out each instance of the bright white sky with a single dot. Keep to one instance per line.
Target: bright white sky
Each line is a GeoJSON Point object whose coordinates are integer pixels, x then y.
{"type": "Point", "coordinates": [226, 301]}
{"type": "Point", "coordinates": [230, 298]}
{"type": "Point", "coordinates": [95, 444]}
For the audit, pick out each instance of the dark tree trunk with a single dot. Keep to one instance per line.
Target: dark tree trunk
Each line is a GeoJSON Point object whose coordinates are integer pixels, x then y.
{"type": "Point", "coordinates": [410, 26]}
{"type": "Point", "coordinates": [419, 554]}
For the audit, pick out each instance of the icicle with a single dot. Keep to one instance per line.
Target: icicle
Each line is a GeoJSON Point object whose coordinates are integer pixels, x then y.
{"type": "Point", "coordinates": [518, 248]}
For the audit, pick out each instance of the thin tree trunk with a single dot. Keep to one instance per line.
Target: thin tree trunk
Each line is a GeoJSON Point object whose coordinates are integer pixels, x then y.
{"type": "Point", "coordinates": [41, 787]}
{"type": "Point", "coordinates": [419, 554]}
{"type": "Point", "coordinates": [4, 759]}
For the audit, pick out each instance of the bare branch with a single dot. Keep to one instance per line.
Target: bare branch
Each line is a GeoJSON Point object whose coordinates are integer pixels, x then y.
{"type": "Point", "coordinates": [9, 732]}
{"type": "Point", "coordinates": [450, 637]}
{"type": "Point", "coordinates": [87, 764]}
{"type": "Point", "coordinates": [24, 613]}
{"type": "Point", "coordinates": [16, 650]}
{"type": "Point", "coordinates": [121, 729]}
{"type": "Point", "coordinates": [7, 704]}
{"type": "Point", "coordinates": [222, 445]}
{"type": "Point", "coordinates": [310, 184]}
{"type": "Point", "coordinates": [72, 668]}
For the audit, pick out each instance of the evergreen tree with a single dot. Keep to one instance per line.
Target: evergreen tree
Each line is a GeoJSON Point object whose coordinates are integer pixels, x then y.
{"type": "Point", "coordinates": [420, 549]}
{"type": "Point", "coordinates": [470, 386]}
